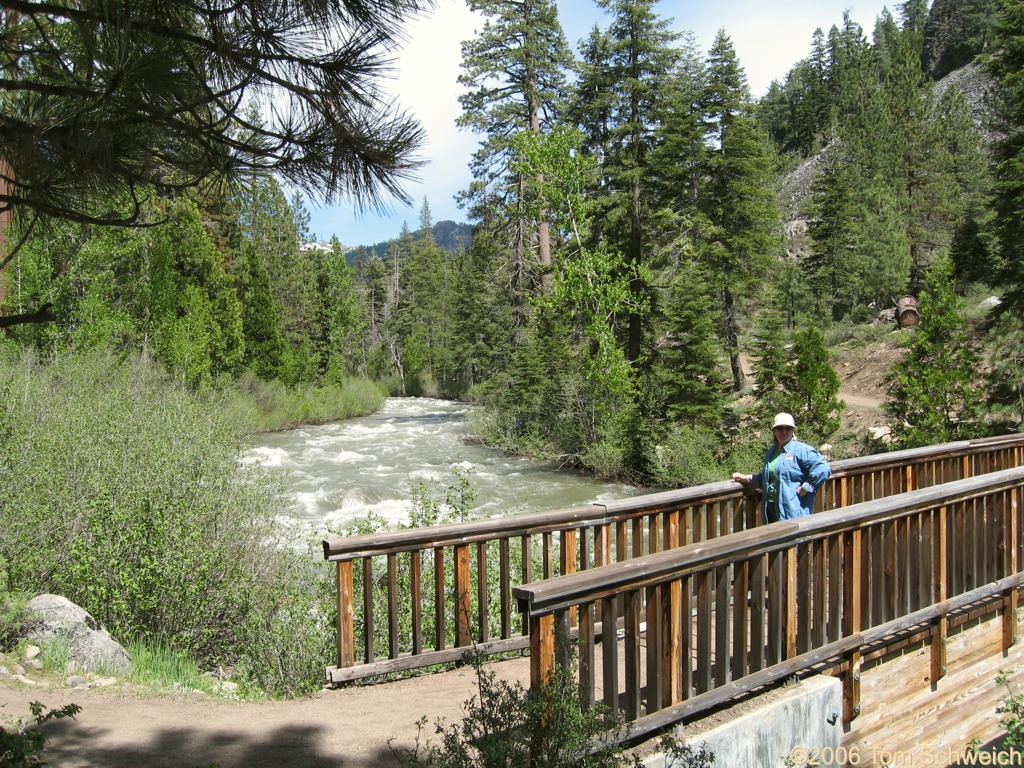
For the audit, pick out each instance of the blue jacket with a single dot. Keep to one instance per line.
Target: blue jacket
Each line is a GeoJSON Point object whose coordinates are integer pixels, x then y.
{"type": "Point", "coordinates": [801, 467]}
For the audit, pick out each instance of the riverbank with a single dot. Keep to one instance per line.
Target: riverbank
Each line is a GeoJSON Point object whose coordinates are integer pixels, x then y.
{"type": "Point", "coordinates": [270, 406]}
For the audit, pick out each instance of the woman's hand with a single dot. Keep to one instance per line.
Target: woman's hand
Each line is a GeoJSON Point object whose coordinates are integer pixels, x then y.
{"type": "Point", "coordinates": [739, 477]}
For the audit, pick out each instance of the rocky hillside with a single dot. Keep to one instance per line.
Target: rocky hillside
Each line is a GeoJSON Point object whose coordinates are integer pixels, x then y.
{"type": "Point", "coordinates": [795, 186]}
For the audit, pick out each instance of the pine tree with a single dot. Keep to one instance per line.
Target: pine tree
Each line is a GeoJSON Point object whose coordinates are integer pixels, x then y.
{"type": "Point", "coordinates": [264, 344]}
{"type": "Point", "coordinates": [688, 364]}
{"type": "Point", "coordinates": [934, 395]}
{"type": "Point", "coordinates": [738, 228]}
{"type": "Point", "coordinates": [514, 75]}
{"type": "Point", "coordinates": [770, 360]}
{"type": "Point", "coordinates": [144, 97]}
{"type": "Point", "coordinates": [813, 385]}
{"type": "Point", "coordinates": [831, 265]}
{"type": "Point", "coordinates": [1007, 69]}
{"type": "Point", "coordinates": [274, 229]}
{"type": "Point", "coordinates": [636, 57]}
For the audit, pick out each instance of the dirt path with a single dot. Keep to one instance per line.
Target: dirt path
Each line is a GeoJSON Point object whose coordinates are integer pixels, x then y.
{"type": "Point", "coordinates": [348, 727]}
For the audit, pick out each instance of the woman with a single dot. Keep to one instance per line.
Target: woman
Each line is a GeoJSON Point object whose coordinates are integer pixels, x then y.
{"type": "Point", "coordinates": [791, 476]}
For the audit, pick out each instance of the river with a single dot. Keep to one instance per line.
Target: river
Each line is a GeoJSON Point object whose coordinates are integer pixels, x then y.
{"type": "Point", "coordinates": [340, 472]}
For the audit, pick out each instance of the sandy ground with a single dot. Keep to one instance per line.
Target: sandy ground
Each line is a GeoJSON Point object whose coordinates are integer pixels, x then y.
{"type": "Point", "coordinates": [354, 727]}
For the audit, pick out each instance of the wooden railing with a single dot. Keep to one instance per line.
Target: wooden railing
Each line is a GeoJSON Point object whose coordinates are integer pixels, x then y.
{"type": "Point", "coordinates": [703, 623]}
{"type": "Point", "coordinates": [425, 596]}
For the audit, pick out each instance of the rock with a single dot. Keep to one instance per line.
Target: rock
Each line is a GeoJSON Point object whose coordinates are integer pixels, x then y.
{"type": "Point", "coordinates": [18, 670]}
{"type": "Point", "coordinates": [74, 681]}
{"type": "Point", "coordinates": [4, 670]}
{"type": "Point", "coordinates": [883, 434]}
{"type": "Point", "coordinates": [990, 302]}
{"type": "Point", "coordinates": [89, 644]}
{"type": "Point", "coordinates": [36, 664]}
{"type": "Point", "coordinates": [103, 682]}
{"type": "Point", "coordinates": [32, 651]}
{"type": "Point", "coordinates": [24, 680]}
{"type": "Point", "coordinates": [887, 316]}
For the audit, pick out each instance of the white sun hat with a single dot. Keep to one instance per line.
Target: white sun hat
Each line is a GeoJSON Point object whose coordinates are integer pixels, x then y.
{"type": "Point", "coordinates": [784, 420]}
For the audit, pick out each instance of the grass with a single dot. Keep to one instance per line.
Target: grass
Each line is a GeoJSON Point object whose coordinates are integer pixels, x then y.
{"type": "Point", "coordinates": [157, 666]}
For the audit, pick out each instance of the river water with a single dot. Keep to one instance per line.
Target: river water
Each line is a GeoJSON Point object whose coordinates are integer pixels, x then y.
{"type": "Point", "coordinates": [338, 473]}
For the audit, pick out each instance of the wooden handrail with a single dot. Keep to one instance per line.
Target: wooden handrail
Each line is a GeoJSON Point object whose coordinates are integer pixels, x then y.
{"type": "Point", "coordinates": [412, 598]}
{"type": "Point", "coordinates": [759, 605]}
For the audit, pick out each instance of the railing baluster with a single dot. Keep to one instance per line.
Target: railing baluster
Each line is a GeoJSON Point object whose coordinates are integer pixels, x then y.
{"type": "Point", "coordinates": [758, 613]}
{"type": "Point", "coordinates": [609, 656]}
{"type": "Point", "coordinates": [1010, 565]}
{"type": "Point", "coordinates": [656, 680]}
{"type": "Point", "coordinates": [440, 630]}
{"type": "Point", "coordinates": [463, 602]}
{"type": "Point", "coordinates": [346, 615]}
{"type": "Point", "coordinates": [631, 625]}
{"type": "Point", "coordinates": [368, 650]}
{"type": "Point", "coordinates": [416, 578]}
{"type": "Point", "coordinates": [483, 630]}
{"type": "Point", "coordinates": [723, 624]}
{"type": "Point", "coordinates": [505, 585]}
{"type": "Point", "coordinates": [586, 654]}
{"type": "Point", "coordinates": [392, 606]}
{"type": "Point", "coordinates": [705, 594]}
{"type": "Point", "coordinates": [687, 637]}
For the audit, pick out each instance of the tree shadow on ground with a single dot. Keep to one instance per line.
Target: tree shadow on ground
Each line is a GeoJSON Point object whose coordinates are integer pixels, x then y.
{"type": "Point", "coordinates": [71, 744]}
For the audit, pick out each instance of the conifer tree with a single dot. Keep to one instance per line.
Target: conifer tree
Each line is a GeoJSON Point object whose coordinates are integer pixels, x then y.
{"type": "Point", "coordinates": [933, 395]}
{"type": "Point", "coordinates": [738, 228]}
{"type": "Point", "coordinates": [637, 55]}
{"type": "Point", "coordinates": [1007, 68]}
{"type": "Point", "coordinates": [831, 266]}
{"type": "Point", "coordinates": [688, 364]}
{"type": "Point", "coordinates": [812, 384]}
{"type": "Point", "coordinates": [341, 318]}
{"type": "Point", "coordinates": [264, 344]}
{"type": "Point", "coordinates": [770, 360]}
{"type": "Point", "coordinates": [514, 75]}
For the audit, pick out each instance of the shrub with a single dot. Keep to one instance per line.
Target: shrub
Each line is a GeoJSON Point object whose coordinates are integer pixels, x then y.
{"type": "Point", "coordinates": [124, 492]}
{"type": "Point", "coordinates": [21, 745]}
{"type": "Point", "coordinates": [686, 457]}
{"type": "Point", "coordinates": [507, 726]}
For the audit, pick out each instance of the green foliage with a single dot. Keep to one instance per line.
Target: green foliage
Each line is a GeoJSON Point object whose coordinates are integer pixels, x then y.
{"type": "Point", "coordinates": [1012, 712]}
{"type": "Point", "coordinates": [22, 744]}
{"type": "Point", "coordinates": [1005, 377]}
{"type": "Point", "coordinates": [686, 456]}
{"type": "Point", "coordinates": [688, 361]}
{"type": "Point", "coordinates": [124, 492]}
{"type": "Point", "coordinates": [813, 384]}
{"type": "Point", "coordinates": [934, 393]}
{"type": "Point", "coordinates": [770, 360]}
{"type": "Point", "coordinates": [1006, 69]}
{"type": "Point", "coordinates": [159, 666]}
{"type": "Point", "coordinates": [506, 726]}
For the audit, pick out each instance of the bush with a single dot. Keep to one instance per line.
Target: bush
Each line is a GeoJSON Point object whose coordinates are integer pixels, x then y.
{"type": "Point", "coordinates": [507, 726]}
{"type": "Point", "coordinates": [267, 406]}
{"type": "Point", "coordinates": [21, 745]}
{"type": "Point", "coordinates": [686, 457]}
{"type": "Point", "coordinates": [124, 492]}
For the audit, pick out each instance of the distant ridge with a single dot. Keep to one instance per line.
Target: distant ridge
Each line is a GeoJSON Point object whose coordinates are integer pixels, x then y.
{"type": "Point", "coordinates": [449, 235]}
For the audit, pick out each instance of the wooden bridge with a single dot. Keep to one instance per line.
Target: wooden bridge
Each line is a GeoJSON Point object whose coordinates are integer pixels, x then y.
{"type": "Point", "coordinates": [906, 550]}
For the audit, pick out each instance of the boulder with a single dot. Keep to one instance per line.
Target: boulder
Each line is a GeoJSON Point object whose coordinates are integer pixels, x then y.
{"type": "Point", "coordinates": [90, 646]}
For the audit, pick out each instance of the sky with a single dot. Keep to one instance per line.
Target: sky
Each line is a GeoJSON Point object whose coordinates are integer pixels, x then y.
{"type": "Point", "coordinates": [769, 38]}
